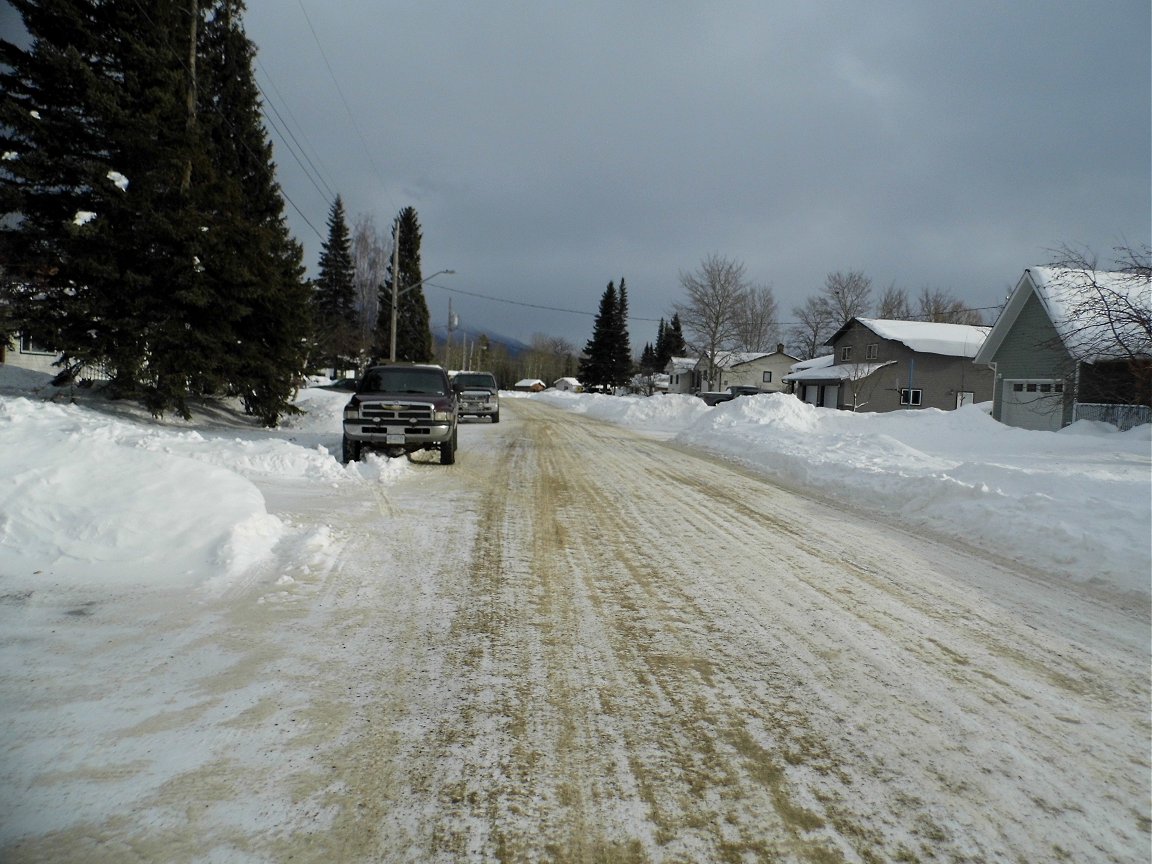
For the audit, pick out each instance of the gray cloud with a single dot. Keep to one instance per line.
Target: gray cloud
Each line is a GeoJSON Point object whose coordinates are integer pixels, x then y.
{"type": "Point", "coordinates": [549, 148]}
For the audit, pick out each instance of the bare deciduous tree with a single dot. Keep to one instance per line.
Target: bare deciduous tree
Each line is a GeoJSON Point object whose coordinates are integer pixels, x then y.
{"type": "Point", "coordinates": [813, 327]}
{"type": "Point", "coordinates": [757, 326]}
{"type": "Point", "coordinates": [370, 254]}
{"type": "Point", "coordinates": [711, 314]}
{"type": "Point", "coordinates": [941, 307]}
{"type": "Point", "coordinates": [894, 305]}
{"type": "Point", "coordinates": [548, 358]}
{"type": "Point", "coordinates": [849, 295]}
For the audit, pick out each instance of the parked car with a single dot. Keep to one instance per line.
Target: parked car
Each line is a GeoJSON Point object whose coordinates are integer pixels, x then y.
{"type": "Point", "coordinates": [729, 394]}
{"type": "Point", "coordinates": [478, 394]}
{"type": "Point", "coordinates": [401, 409]}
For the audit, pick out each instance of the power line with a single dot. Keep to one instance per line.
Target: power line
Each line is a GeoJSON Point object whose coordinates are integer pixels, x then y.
{"type": "Point", "coordinates": [314, 174]}
{"type": "Point", "coordinates": [528, 305]}
{"type": "Point", "coordinates": [347, 108]}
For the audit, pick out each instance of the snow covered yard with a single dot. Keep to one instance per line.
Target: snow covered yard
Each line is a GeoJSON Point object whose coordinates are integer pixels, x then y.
{"type": "Point", "coordinates": [186, 621]}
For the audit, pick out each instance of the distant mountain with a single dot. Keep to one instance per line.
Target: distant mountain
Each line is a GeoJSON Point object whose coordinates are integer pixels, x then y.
{"type": "Point", "coordinates": [514, 347]}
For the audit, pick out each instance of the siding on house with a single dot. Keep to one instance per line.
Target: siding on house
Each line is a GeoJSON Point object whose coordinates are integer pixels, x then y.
{"type": "Point", "coordinates": [938, 377]}
{"type": "Point", "coordinates": [1032, 350]}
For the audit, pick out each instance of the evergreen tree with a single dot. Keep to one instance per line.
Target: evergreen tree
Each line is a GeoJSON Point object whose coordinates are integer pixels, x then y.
{"type": "Point", "coordinates": [621, 343]}
{"type": "Point", "coordinates": [597, 364]}
{"type": "Point", "coordinates": [95, 115]}
{"type": "Point", "coordinates": [674, 344]}
{"type": "Point", "coordinates": [648, 362]}
{"type": "Point", "coordinates": [334, 301]}
{"type": "Point", "coordinates": [255, 260]}
{"type": "Point", "coordinates": [658, 350]}
{"type": "Point", "coordinates": [146, 245]}
{"type": "Point", "coordinates": [413, 323]}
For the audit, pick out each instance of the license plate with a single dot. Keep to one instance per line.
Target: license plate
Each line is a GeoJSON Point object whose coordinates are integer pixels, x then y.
{"type": "Point", "coordinates": [394, 439]}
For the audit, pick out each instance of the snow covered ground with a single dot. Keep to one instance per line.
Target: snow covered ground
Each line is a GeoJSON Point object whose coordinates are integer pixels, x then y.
{"type": "Point", "coordinates": [92, 497]}
{"type": "Point", "coordinates": [99, 500]}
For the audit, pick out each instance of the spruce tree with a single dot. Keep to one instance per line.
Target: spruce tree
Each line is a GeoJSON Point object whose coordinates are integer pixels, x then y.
{"type": "Point", "coordinates": [621, 360]}
{"type": "Point", "coordinates": [597, 364]}
{"type": "Point", "coordinates": [413, 323]}
{"type": "Point", "coordinates": [257, 266]}
{"type": "Point", "coordinates": [658, 350]}
{"type": "Point", "coordinates": [94, 113]}
{"type": "Point", "coordinates": [674, 344]}
{"type": "Point", "coordinates": [146, 245]}
{"type": "Point", "coordinates": [648, 363]}
{"type": "Point", "coordinates": [334, 304]}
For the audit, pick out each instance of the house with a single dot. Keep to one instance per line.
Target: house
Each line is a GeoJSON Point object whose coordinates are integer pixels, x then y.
{"type": "Point", "coordinates": [24, 353]}
{"type": "Point", "coordinates": [529, 385]}
{"type": "Point", "coordinates": [762, 370]}
{"type": "Point", "coordinates": [1070, 345]}
{"type": "Point", "coordinates": [884, 365]}
{"type": "Point", "coordinates": [682, 376]}
{"type": "Point", "coordinates": [569, 385]}
{"type": "Point", "coordinates": [772, 368]}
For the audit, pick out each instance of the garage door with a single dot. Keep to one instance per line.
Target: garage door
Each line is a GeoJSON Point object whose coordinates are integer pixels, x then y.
{"type": "Point", "coordinates": [1033, 404]}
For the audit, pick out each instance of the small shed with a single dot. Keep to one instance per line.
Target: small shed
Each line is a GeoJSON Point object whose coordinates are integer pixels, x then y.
{"type": "Point", "coordinates": [529, 385]}
{"type": "Point", "coordinates": [568, 385]}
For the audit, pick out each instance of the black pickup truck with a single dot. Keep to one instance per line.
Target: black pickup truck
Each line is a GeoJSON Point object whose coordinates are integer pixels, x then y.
{"type": "Point", "coordinates": [729, 394]}
{"type": "Point", "coordinates": [401, 408]}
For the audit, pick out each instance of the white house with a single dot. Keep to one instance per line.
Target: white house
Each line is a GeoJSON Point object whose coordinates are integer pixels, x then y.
{"type": "Point", "coordinates": [763, 370]}
{"type": "Point", "coordinates": [568, 385]}
{"type": "Point", "coordinates": [681, 375]}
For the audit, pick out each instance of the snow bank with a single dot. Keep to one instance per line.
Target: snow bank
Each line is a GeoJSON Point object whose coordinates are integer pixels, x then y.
{"type": "Point", "coordinates": [1077, 503]}
{"type": "Point", "coordinates": [89, 499]}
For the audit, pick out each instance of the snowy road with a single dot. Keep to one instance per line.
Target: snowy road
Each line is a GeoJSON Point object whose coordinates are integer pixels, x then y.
{"type": "Point", "coordinates": [581, 644]}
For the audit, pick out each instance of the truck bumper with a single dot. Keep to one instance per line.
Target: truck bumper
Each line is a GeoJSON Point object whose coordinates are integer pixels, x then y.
{"type": "Point", "coordinates": [413, 437]}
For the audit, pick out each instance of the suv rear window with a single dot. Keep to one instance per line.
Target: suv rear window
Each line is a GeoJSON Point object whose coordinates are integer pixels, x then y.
{"type": "Point", "coordinates": [427, 381]}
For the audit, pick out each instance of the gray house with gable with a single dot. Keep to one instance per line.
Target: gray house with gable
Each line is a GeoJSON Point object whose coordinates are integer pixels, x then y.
{"type": "Point", "coordinates": [885, 365]}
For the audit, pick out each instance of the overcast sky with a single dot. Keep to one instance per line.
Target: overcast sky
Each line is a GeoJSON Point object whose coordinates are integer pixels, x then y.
{"type": "Point", "coordinates": [551, 147]}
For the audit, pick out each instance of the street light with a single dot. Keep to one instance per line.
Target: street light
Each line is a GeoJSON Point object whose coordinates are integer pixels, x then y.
{"type": "Point", "coordinates": [395, 296]}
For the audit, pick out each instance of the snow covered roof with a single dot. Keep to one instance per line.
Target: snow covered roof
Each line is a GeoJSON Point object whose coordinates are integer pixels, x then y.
{"type": "Point", "coordinates": [953, 340]}
{"type": "Point", "coordinates": [571, 382]}
{"type": "Point", "coordinates": [839, 372]}
{"type": "Point", "coordinates": [728, 359]}
{"type": "Point", "coordinates": [683, 363]}
{"type": "Point", "coordinates": [1088, 309]}
{"type": "Point", "coordinates": [814, 363]}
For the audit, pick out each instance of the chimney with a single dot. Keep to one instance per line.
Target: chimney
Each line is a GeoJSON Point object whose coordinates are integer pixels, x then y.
{"type": "Point", "coordinates": [779, 347]}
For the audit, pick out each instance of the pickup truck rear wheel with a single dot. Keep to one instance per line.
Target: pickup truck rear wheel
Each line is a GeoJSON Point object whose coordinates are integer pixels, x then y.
{"type": "Point", "coordinates": [448, 450]}
{"type": "Point", "coordinates": [351, 451]}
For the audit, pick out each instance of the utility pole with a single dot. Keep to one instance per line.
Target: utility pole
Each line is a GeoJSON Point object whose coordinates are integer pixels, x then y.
{"type": "Point", "coordinates": [395, 287]}
{"type": "Point", "coordinates": [453, 323]}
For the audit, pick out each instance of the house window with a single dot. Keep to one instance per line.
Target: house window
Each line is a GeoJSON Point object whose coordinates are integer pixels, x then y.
{"type": "Point", "coordinates": [873, 351]}
{"type": "Point", "coordinates": [767, 378]}
{"type": "Point", "coordinates": [28, 345]}
{"type": "Point", "coordinates": [846, 353]}
{"type": "Point", "coordinates": [910, 397]}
